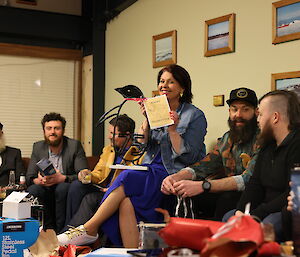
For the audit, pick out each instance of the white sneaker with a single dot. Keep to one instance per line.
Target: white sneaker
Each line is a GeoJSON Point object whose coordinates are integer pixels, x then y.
{"type": "Point", "coordinates": [76, 236]}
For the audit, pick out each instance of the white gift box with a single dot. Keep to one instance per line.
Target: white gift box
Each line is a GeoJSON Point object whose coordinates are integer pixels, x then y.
{"type": "Point", "coordinates": [14, 207]}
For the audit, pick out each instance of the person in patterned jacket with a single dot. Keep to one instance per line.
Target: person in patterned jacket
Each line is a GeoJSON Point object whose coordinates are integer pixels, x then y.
{"type": "Point", "coordinates": [217, 181]}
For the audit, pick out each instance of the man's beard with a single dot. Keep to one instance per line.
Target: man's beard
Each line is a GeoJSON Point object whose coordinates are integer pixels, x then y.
{"type": "Point", "coordinates": [266, 135]}
{"type": "Point", "coordinates": [242, 134]}
{"type": "Point", "coordinates": [55, 142]}
{"type": "Point", "coordinates": [2, 144]}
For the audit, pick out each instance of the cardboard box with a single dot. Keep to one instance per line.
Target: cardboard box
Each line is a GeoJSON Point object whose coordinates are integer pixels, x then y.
{"type": "Point", "coordinates": [14, 208]}
{"type": "Point", "coordinates": [17, 235]}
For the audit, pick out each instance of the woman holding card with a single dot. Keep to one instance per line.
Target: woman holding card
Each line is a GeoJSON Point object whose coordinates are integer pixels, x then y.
{"type": "Point", "coordinates": [134, 195]}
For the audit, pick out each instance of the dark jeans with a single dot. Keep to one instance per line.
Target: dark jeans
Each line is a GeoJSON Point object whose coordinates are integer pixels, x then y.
{"type": "Point", "coordinates": [89, 205]}
{"type": "Point", "coordinates": [214, 205]}
{"type": "Point", "coordinates": [76, 193]}
{"type": "Point", "coordinates": [54, 200]}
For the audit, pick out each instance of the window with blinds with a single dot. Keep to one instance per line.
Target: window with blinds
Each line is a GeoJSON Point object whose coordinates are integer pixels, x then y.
{"type": "Point", "coordinates": [30, 88]}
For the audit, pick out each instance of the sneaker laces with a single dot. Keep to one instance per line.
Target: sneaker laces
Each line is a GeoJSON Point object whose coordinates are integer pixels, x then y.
{"type": "Point", "coordinates": [73, 232]}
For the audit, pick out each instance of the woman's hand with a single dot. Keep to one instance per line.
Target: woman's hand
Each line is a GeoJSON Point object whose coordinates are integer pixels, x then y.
{"type": "Point", "coordinates": [175, 117]}
{"type": "Point", "coordinates": [142, 107]}
{"type": "Point", "coordinates": [167, 185]}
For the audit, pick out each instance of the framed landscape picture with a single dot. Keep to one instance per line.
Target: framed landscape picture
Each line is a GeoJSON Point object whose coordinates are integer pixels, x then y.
{"type": "Point", "coordinates": [287, 81]}
{"type": "Point", "coordinates": [219, 35]}
{"type": "Point", "coordinates": [286, 21]}
{"type": "Point", "coordinates": [164, 49]}
{"type": "Point", "coordinates": [31, 2]}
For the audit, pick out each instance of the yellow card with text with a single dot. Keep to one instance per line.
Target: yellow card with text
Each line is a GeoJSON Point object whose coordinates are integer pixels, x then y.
{"type": "Point", "coordinates": [158, 112]}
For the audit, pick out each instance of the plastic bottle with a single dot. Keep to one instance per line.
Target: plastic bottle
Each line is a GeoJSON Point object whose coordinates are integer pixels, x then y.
{"type": "Point", "coordinates": [12, 179]}
{"type": "Point", "coordinates": [22, 182]}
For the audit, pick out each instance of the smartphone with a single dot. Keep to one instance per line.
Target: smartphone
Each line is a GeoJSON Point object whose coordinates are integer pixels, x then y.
{"type": "Point", "coordinates": [145, 252]}
{"type": "Point", "coordinates": [98, 186]}
{"type": "Point", "coordinates": [295, 191]}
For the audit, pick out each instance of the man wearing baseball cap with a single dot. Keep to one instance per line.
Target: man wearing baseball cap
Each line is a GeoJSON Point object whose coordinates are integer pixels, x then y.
{"type": "Point", "coordinates": [10, 159]}
{"type": "Point", "coordinates": [216, 183]}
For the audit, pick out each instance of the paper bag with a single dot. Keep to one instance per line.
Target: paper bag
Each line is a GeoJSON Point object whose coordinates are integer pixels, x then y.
{"type": "Point", "coordinates": [45, 245]}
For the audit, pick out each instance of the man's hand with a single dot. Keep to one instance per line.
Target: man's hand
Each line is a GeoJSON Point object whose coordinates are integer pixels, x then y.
{"type": "Point", "coordinates": [40, 180]}
{"type": "Point", "coordinates": [188, 188]}
{"type": "Point", "coordinates": [82, 174]}
{"type": "Point", "coordinates": [290, 201]}
{"type": "Point", "coordinates": [238, 213]}
{"type": "Point", "coordinates": [167, 184]}
{"type": "Point", "coordinates": [55, 179]}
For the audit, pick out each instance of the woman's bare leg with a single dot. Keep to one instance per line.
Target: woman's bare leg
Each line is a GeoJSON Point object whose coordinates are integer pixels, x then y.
{"type": "Point", "coordinates": [109, 206]}
{"type": "Point", "coordinates": [128, 224]}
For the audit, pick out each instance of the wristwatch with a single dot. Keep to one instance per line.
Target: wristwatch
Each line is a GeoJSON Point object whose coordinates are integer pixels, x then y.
{"type": "Point", "coordinates": [206, 185]}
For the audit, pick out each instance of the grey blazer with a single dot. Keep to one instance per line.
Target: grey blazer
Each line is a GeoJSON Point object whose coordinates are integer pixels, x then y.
{"type": "Point", "coordinates": [73, 159]}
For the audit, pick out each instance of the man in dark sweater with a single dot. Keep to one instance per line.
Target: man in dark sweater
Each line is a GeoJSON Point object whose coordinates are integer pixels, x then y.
{"type": "Point", "coordinates": [268, 188]}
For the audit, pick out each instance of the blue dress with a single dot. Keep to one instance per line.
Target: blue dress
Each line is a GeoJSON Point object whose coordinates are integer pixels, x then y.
{"type": "Point", "coordinates": [143, 189]}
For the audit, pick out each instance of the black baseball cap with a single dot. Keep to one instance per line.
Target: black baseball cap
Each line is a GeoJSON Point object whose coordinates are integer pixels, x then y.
{"type": "Point", "coordinates": [243, 94]}
{"type": "Point", "coordinates": [1, 126]}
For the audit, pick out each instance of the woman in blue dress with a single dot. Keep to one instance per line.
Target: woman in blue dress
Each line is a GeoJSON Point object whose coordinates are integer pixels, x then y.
{"type": "Point", "coordinates": [135, 194]}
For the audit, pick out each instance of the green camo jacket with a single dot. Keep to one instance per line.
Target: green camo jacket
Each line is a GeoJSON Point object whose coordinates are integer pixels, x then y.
{"type": "Point", "coordinates": [225, 160]}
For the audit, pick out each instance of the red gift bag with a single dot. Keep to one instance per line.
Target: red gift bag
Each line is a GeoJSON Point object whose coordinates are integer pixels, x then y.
{"type": "Point", "coordinates": [240, 236]}
{"type": "Point", "coordinates": [183, 232]}
{"type": "Point", "coordinates": [72, 251]}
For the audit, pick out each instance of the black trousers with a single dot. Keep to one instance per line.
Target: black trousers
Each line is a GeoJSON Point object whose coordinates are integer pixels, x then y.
{"type": "Point", "coordinates": [214, 205]}
{"type": "Point", "coordinates": [76, 193]}
{"type": "Point", "coordinates": [89, 205]}
{"type": "Point", "coordinates": [54, 200]}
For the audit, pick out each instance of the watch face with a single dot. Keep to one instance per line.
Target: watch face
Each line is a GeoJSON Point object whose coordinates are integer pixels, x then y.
{"type": "Point", "coordinates": [206, 185]}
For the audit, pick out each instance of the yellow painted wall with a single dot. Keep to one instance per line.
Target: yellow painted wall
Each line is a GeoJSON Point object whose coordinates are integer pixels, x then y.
{"type": "Point", "coordinates": [129, 51]}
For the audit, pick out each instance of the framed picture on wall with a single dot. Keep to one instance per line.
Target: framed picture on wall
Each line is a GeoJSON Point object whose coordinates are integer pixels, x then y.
{"type": "Point", "coordinates": [164, 49]}
{"type": "Point", "coordinates": [219, 35]}
{"type": "Point", "coordinates": [30, 2]}
{"type": "Point", "coordinates": [286, 21]}
{"type": "Point", "coordinates": [286, 80]}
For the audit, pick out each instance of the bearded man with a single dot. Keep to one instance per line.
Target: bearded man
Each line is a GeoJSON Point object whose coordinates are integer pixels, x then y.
{"type": "Point", "coordinates": [268, 188]}
{"type": "Point", "coordinates": [10, 159]}
{"type": "Point", "coordinates": [68, 159]}
{"type": "Point", "coordinates": [216, 183]}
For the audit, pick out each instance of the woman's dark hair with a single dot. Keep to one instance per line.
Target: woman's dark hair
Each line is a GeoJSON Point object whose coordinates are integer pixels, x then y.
{"type": "Point", "coordinates": [124, 123]}
{"type": "Point", "coordinates": [292, 106]}
{"type": "Point", "coordinates": [53, 116]}
{"type": "Point", "coordinates": [182, 77]}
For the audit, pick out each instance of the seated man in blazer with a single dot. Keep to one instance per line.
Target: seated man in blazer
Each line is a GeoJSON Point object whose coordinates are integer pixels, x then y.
{"type": "Point", "coordinates": [10, 159]}
{"type": "Point", "coordinates": [84, 198]}
{"type": "Point", "coordinates": [68, 159]}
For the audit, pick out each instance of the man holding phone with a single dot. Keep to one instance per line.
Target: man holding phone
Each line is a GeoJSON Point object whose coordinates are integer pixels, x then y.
{"type": "Point", "coordinates": [68, 159]}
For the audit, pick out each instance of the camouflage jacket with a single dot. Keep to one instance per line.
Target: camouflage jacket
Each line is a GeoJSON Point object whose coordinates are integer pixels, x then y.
{"type": "Point", "coordinates": [228, 159]}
